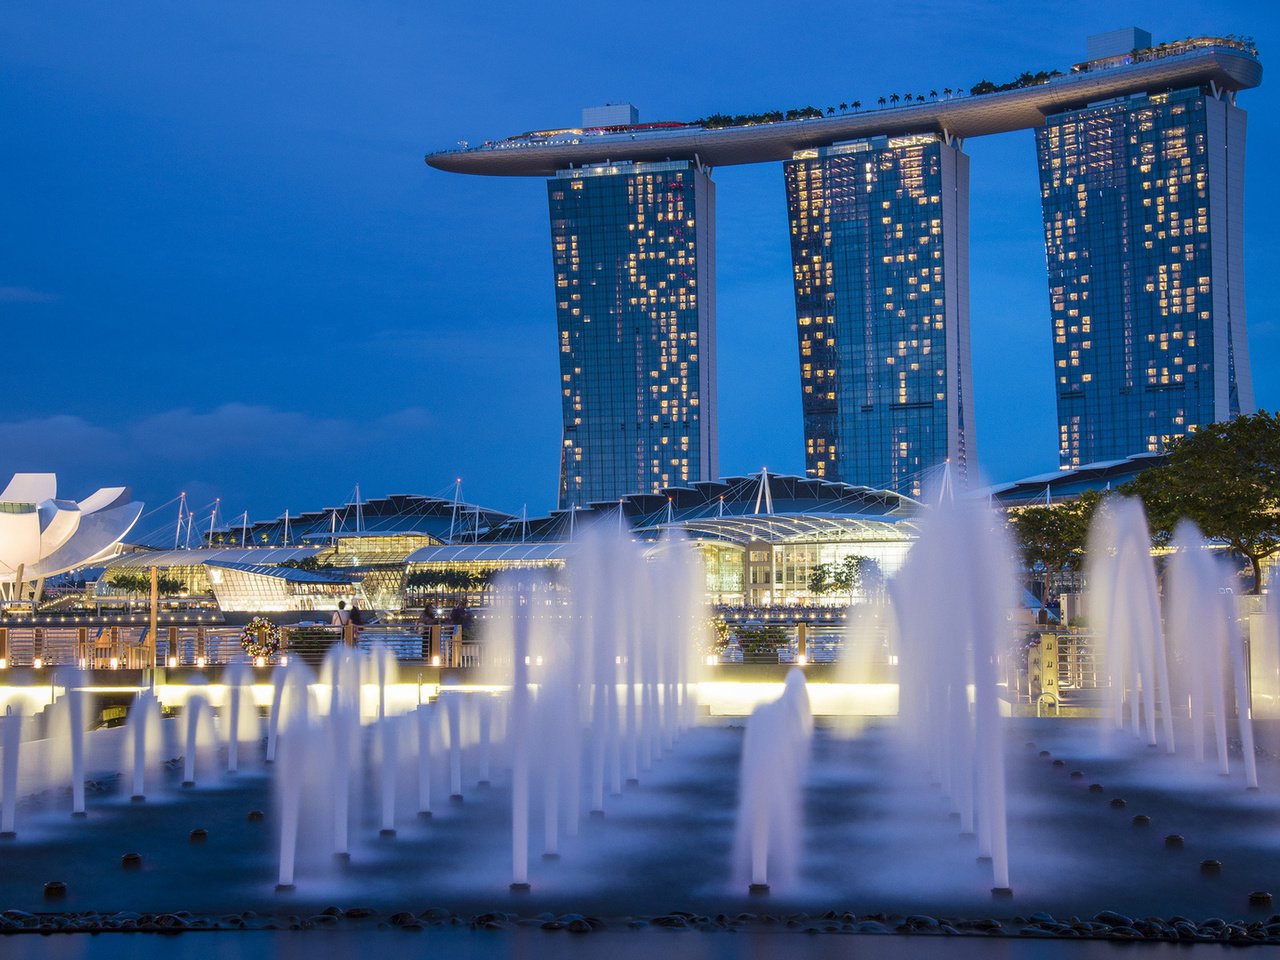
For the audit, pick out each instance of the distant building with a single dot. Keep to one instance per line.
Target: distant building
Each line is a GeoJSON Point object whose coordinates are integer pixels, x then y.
{"type": "Point", "coordinates": [1143, 216]}
{"type": "Point", "coordinates": [880, 251]}
{"type": "Point", "coordinates": [633, 248]}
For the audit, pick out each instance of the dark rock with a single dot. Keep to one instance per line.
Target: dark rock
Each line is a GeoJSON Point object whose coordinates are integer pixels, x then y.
{"type": "Point", "coordinates": [131, 861]}
{"type": "Point", "coordinates": [1211, 868]}
{"type": "Point", "coordinates": [55, 890]}
{"type": "Point", "coordinates": [360, 913]}
{"type": "Point", "coordinates": [256, 816]}
{"type": "Point", "coordinates": [1095, 788]}
{"type": "Point", "coordinates": [198, 835]}
{"type": "Point", "coordinates": [1174, 841]}
{"type": "Point", "coordinates": [1117, 803]}
{"type": "Point", "coordinates": [670, 922]}
{"type": "Point", "coordinates": [1113, 919]}
{"type": "Point", "coordinates": [579, 926]}
{"type": "Point", "coordinates": [1141, 820]}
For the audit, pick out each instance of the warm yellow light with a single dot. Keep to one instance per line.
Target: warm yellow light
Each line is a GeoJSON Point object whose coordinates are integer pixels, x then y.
{"type": "Point", "coordinates": [200, 662]}
{"type": "Point", "coordinates": [38, 662]}
{"type": "Point", "coordinates": [259, 661]}
{"type": "Point", "coordinates": [435, 660]}
{"type": "Point", "coordinates": [172, 662]}
{"type": "Point", "coordinates": [115, 663]}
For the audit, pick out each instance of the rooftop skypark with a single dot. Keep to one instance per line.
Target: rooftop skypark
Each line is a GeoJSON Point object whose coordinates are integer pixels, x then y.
{"type": "Point", "coordinates": [1223, 63]}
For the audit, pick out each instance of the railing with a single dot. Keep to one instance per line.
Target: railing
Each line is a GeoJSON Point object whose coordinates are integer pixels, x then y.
{"type": "Point", "coordinates": [124, 646]}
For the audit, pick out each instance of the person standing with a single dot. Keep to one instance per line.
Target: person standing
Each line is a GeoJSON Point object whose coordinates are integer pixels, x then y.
{"type": "Point", "coordinates": [342, 618]}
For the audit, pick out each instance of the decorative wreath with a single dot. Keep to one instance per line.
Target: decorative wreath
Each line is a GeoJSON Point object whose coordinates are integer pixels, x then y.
{"type": "Point", "coordinates": [260, 638]}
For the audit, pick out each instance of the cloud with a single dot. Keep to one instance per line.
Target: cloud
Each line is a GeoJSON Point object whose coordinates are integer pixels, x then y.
{"type": "Point", "coordinates": [246, 432]}
{"type": "Point", "coordinates": [26, 295]}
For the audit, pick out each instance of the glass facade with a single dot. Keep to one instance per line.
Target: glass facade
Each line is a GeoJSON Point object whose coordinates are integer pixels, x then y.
{"type": "Point", "coordinates": [633, 249]}
{"type": "Point", "coordinates": [879, 246]}
{"type": "Point", "coordinates": [1143, 210]}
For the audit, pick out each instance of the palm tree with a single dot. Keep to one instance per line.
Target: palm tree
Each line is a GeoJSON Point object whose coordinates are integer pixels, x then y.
{"type": "Point", "coordinates": [946, 92]}
{"type": "Point", "coordinates": [882, 101]}
{"type": "Point", "coordinates": [933, 94]}
{"type": "Point", "coordinates": [844, 107]}
{"type": "Point", "coordinates": [919, 98]}
{"type": "Point", "coordinates": [831, 111]}
{"type": "Point", "coordinates": [893, 98]}
{"type": "Point", "coordinates": [857, 104]}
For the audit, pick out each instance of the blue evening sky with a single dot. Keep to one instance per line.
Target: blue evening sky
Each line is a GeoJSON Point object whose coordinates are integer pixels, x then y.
{"type": "Point", "coordinates": [224, 267]}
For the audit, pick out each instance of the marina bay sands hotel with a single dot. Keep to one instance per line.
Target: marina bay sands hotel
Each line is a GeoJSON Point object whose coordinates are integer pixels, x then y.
{"type": "Point", "coordinates": [1141, 156]}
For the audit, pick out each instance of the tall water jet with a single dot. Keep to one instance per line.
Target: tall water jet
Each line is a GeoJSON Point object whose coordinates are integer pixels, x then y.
{"type": "Point", "coordinates": [11, 736]}
{"type": "Point", "coordinates": [484, 708]}
{"type": "Point", "coordinates": [775, 751]}
{"type": "Point", "coordinates": [1124, 607]}
{"type": "Point", "coordinates": [278, 676]}
{"type": "Point", "coordinates": [74, 697]}
{"type": "Point", "coordinates": [382, 672]}
{"type": "Point", "coordinates": [340, 672]}
{"type": "Point", "coordinates": [424, 716]}
{"type": "Point", "coordinates": [143, 737]}
{"type": "Point", "coordinates": [453, 708]}
{"type": "Point", "coordinates": [520, 751]}
{"type": "Point", "coordinates": [388, 748]}
{"type": "Point", "coordinates": [195, 717]}
{"type": "Point", "coordinates": [295, 730]}
{"type": "Point", "coordinates": [239, 712]}
{"type": "Point", "coordinates": [1198, 637]}
{"type": "Point", "coordinates": [951, 601]}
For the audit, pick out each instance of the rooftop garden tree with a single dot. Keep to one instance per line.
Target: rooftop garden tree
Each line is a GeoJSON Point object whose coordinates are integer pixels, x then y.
{"type": "Point", "coordinates": [1226, 478]}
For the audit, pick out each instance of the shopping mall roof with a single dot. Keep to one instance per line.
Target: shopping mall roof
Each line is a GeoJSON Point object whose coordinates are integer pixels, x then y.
{"type": "Point", "coordinates": [257, 556]}
{"type": "Point", "coordinates": [763, 506]}
{"type": "Point", "coordinates": [1060, 485]}
{"type": "Point", "coordinates": [290, 574]}
{"type": "Point", "coordinates": [398, 515]}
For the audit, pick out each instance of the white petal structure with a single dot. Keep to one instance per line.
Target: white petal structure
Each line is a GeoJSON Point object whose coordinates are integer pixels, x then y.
{"type": "Point", "coordinates": [41, 536]}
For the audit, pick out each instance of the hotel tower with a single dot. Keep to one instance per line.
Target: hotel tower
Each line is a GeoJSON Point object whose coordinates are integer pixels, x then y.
{"type": "Point", "coordinates": [880, 257]}
{"type": "Point", "coordinates": [633, 248]}
{"type": "Point", "coordinates": [1143, 199]}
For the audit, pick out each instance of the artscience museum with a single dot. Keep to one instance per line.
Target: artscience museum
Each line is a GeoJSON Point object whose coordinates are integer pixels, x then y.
{"type": "Point", "coordinates": [42, 536]}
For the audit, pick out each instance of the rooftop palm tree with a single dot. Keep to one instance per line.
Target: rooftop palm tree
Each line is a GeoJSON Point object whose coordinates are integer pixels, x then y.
{"type": "Point", "coordinates": [882, 101]}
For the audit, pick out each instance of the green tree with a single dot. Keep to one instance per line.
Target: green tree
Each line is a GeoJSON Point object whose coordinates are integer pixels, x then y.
{"type": "Point", "coordinates": [140, 583]}
{"type": "Point", "coordinates": [1226, 478]}
{"type": "Point", "coordinates": [848, 576]}
{"type": "Point", "coordinates": [1052, 538]}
